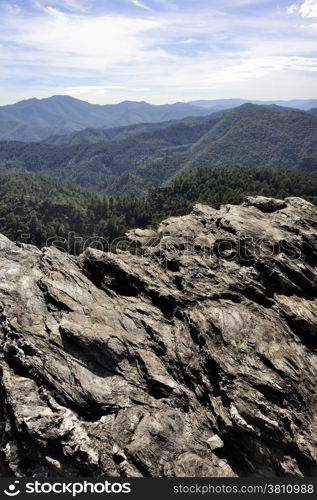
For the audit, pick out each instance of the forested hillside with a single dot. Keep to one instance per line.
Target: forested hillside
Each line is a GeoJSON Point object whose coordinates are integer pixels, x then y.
{"type": "Point", "coordinates": [133, 164]}
{"type": "Point", "coordinates": [259, 135]}
{"type": "Point", "coordinates": [248, 136]}
{"type": "Point", "coordinates": [37, 208]}
{"type": "Point", "coordinates": [193, 125]}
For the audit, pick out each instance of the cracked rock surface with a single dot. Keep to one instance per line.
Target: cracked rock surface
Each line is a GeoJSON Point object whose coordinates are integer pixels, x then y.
{"type": "Point", "coordinates": [194, 355]}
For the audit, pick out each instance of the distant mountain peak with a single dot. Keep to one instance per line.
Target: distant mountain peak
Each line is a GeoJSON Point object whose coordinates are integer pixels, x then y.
{"type": "Point", "coordinates": [63, 97]}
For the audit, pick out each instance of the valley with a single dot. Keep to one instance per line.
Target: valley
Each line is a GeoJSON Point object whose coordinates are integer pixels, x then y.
{"type": "Point", "coordinates": [249, 135]}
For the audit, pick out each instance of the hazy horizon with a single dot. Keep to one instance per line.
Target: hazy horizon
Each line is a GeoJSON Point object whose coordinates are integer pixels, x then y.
{"type": "Point", "coordinates": [158, 104]}
{"type": "Point", "coordinates": [159, 51]}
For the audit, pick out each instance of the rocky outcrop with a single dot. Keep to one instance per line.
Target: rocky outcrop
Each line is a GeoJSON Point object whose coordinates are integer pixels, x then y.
{"type": "Point", "coordinates": [191, 355]}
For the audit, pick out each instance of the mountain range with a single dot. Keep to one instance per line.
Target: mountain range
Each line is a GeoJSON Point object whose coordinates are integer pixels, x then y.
{"type": "Point", "coordinates": [221, 104]}
{"type": "Point", "coordinates": [37, 119]}
{"type": "Point", "coordinates": [250, 135]}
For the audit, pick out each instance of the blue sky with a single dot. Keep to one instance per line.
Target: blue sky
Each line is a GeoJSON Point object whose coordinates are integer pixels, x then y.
{"type": "Point", "coordinates": [106, 51]}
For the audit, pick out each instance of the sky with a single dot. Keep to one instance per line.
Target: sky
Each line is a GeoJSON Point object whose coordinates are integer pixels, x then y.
{"type": "Point", "coordinates": [159, 51]}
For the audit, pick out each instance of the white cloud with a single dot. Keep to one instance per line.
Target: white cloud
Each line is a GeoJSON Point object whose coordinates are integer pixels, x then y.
{"type": "Point", "coordinates": [174, 55]}
{"type": "Point", "coordinates": [95, 90]}
{"type": "Point", "coordinates": [188, 41]}
{"type": "Point", "coordinates": [211, 75]}
{"type": "Point", "coordinates": [306, 8]}
{"type": "Point", "coordinates": [309, 8]}
{"type": "Point", "coordinates": [87, 42]}
{"type": "Point", "coordinates": [78, 6]}
{"type": "Point", "coordinates": [293, 9]}
{"type": "Point", "coordinates": [140, 4]}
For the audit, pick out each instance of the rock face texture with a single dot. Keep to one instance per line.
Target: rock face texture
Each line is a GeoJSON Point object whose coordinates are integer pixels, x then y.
{"type": "Point", "coordinates": [194, 355]}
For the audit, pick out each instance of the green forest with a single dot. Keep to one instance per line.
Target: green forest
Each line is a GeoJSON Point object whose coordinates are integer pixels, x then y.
{"type": "Point", "coordinates": [39, 209]}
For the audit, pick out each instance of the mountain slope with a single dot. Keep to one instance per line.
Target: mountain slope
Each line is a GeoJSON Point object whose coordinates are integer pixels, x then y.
{"type": "Point", "coordinates": [136, 163]}
{"type": "Point", "coordinates": [36, 119]}
{"type": "Point", "coordinates": [250, 135]}
{"type": "Point", "coordinates": [96, 135]}
{"type": "Point", "coordinates": [12, 130]}
{"type": "Point", "coordinates": [259, 135]}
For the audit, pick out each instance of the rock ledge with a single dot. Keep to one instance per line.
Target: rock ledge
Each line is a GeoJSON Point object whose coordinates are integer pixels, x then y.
{"type": "Point", "coordinates": [195, 357]}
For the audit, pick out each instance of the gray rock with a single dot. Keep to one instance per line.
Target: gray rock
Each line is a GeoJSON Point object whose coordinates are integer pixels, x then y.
{"type": "Point", "coordinates": [265, 204]}
{"type": "Point", "coordinates": [215, 442]}
{"type": "Point", "coordinates": [195, 355]}
{"type": "Point", "coordinates": [143, 236]}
